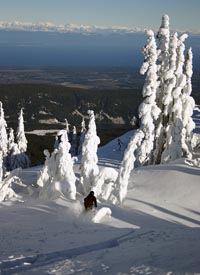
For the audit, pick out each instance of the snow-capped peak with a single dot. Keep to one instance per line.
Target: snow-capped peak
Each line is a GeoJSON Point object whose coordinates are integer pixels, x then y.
{"type": "Point", "coordinates": [67, 28]}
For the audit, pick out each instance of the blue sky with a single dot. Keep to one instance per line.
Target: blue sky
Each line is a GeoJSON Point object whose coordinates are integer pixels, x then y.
{"type": "Point", "coordinates": [184, 14]}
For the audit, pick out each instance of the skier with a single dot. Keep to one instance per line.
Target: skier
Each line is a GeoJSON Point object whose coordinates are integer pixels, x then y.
{"type": "Point", "coordinates": [90, 202]}
{"type": "Point", "coordinates": [120, 144]}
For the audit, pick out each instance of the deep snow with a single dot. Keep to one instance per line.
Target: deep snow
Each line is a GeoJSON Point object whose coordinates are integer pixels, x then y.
{"type": "Point", "coordinates": [155, 231]}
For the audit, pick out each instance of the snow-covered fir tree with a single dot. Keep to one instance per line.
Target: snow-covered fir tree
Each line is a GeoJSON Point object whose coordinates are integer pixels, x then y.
{"type": "Point", "coordinates": [16, 159]}
{"type": "Point", "coordinates": [21, 138]}
{"type": "Point", "coordinates": [3, 133]}
{"type": "Point", "coordinates": [67, 126]}
{"type": "Point", "coordinates": [23, 159]}
{"type": "Point", "coordinates": [57, 176]}
{"type": "Point", "coordinates": [127, 165]}
{"type": "Point", "coordinates": [188, 107]}
{"type": "Point", "coordinates": [148, 110]}
{"type": "Point", "coordinates": [13, 157]}
{"type": "Point", "coordinates": [45, 174]}
{"type": "Point", "coordinates": [173, 146]}
{"type": "Point", "coordinates": [89, 168]}
{"type": "Point", "coordinates": [163, 36]}
{"type": "Point", "coordinates": [82, 136]}
{"type": "Point", "coordinates": [166, 90]}
{"type": "Point", "coordinates": [11, 139]}
{"type": "Point", "coordinates": [65, 178]}
{"type": "Point", "coordinates": [73, 149]}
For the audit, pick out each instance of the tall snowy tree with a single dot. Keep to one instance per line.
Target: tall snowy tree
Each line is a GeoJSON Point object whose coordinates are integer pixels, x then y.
{"type": "Point", "coordinates": [21, 138]}
{"type": "Point", "coordinates": [65, 178]}
{"type": "Point", "coordinates": [188, 107]}
{"type": "Point", "coordinates": [11, 140]}
{"type": "Point", "coordinates": [57, 176]}
{"type": "Point", "coordinates": [163, 36]}
{"type": "Point", "coordinates": [168, 106]}
{"type": "Point", "coordinates": [3, 133]}
{"type": "Point", "coordinates": [82, 136]}
{"type": "Point", "coordinates": [127, 165]}
{"type": "Point", "coordinates": [44, 178]}
{"type": "Point", "coordinates": [67, 126]}
{"type": "Point", "coordinates": [73, 149]}
{"type": "Point", "coordinates": [23, 159]}
{"type": "Point", "coordinates": [89, 168]}
{"type": "Point", "coordinates": [13, 157]}
{"type": "Point", "coordinates": [148, 110]}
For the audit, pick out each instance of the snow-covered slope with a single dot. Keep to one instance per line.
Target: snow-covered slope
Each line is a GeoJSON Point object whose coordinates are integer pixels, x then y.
{"type": "Point", "coordinates": [156, 230]}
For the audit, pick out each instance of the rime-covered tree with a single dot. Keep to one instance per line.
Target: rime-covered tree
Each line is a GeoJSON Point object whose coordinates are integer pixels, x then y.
{"type": "Point", "coordinates": [148, 110]}
{"type": "Point", "coordinates": [65, 178]}
{"type": "Point", "coordinates": [167, 136]}
{"type": "Point", "coordinates": [163, 36]}
{"type": "Point", "coordinates": [67, 126]}
{"type": "Point", "coordinates": [188, 107]}
{"type": "Point", "coordinates": [73, 149]}
{"type": "Point", "coordinates": [58, 175]}
{"type": "Point", "coordinates": [82, 136]}
{"type": "Point", "coordinates": [45, 174]}
{"type": "Point", "coordinates": [11, 139]}
{"type": "Point", "coordinates": [23, 159]}
{"type": "Point", "coordinates": [13, 156]}
{"type": "Point", "coordinates": [21, 138]}
{"type": "Point", "coordinates": [173, 146]}
{"type": "Point", "coordinates": [89, 168]}
{"type": "Point", "coordinates": [127, 165]}
{"type": "Point", "coordinates": [3, 133]}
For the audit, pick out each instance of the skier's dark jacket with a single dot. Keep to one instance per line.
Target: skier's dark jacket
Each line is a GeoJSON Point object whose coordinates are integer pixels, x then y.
{"type": "Point", "coordinates": [90, 201]}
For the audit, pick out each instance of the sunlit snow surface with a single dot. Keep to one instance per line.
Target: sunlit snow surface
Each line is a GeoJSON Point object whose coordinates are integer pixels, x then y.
{"type": "Point", "coordinates": [155, 231]}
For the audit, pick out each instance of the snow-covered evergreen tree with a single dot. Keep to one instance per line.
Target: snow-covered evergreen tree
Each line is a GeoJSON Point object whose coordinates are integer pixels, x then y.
{"type": "Point", "coordinates": [65, 178]}
{"type": "Point", "coordinates": [67, 126]}
{"type": "Point", "coordinates": [82, 136]}
{"type": "Point", "coordinates": [21, 138]}
{"type": "Point", "coordinates": [167, 88]}
{"type": "Point", "coordinates": [3, 133]}
{"type": "Point", "coordinates": [11, 139]}
{"type": "Point", "coordinates": [73, 149]}
{"type": "Point", "coordinates": [173, 147]}
{"type": "Point", "coordinates": [163, 36]}
{"type": "Point", "coordinates": [13, 152]}
{"type": "Point", "coordinates": [188, 107]}
{"type": "Point", "coordinates": [89, 168]}
{"type": "Point", "coordinates": [148, 110]}
{"type": "Point", "coordinates": [57, 176]}
{"type": "Point", "coordinates": [45, 175]}
{"type": "Point", "coordinates": [23, 159]}
{"type": "Point", "coordinates": [127, 165]}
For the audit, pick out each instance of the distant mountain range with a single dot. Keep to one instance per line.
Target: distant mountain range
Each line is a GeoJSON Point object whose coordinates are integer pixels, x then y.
{"type": "Point", "coordinates": [73, 28]}
{"type": "Point", "coordinates": [68, 28]}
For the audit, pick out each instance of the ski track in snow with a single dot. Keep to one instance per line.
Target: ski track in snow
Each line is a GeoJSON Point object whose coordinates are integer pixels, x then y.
{"type": "Point", "coordinates": [13, 266]}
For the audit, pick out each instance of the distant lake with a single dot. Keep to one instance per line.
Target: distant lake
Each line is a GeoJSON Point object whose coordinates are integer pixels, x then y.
{"type": "Point", "coordinates": [36, 49]}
